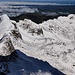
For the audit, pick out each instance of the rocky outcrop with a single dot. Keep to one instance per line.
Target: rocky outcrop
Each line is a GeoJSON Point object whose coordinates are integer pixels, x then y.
{"type": "Point", "coordinates": [52, 41]}
{"type": "Point", "coordinates": [6, 46]}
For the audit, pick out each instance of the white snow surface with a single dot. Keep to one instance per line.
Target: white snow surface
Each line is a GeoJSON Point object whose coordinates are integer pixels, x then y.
{"type": "Point", "coordinates": [5, 25]}
{"type": "Point", "coordinates": [52, 41]}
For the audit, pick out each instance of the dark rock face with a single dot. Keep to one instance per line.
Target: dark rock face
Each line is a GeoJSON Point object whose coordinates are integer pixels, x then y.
{"type": "Point", "coordinates": [35, 17]}
{"type": "Point", "coordinates": [16, 34]}
{"type": "Point", "coordinates": [20, 64]}
{"type": "Point", "coordinates": [38, 32]}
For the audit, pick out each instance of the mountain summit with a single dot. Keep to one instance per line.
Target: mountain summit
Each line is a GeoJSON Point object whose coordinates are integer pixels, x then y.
{"type": "Point", "coordinates": [52, 41]}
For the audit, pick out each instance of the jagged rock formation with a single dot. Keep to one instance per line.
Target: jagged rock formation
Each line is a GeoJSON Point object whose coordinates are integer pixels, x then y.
{"type": "Point", "coordinates": [15, 33]}
{"type": "Point", "coordinates": [6, 46]}
{"type": "Point", "coordinates": [52, 41]}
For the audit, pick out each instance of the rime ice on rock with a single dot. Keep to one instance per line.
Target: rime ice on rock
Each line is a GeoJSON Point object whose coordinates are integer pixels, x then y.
{"type": "Point", "coordinates": [6, 46]}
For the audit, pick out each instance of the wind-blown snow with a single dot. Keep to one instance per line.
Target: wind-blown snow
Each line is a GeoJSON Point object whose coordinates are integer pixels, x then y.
{"type": "Point", "coordinates": [52, 41]}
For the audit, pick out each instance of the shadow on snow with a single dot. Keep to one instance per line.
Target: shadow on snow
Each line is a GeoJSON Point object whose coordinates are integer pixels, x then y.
{"type": "Point", "coordinates": [19, 63]}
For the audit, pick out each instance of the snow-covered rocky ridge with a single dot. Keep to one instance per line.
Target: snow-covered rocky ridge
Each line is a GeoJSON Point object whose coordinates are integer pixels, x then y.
{"type": "Point", "coordinates": [52, 41]}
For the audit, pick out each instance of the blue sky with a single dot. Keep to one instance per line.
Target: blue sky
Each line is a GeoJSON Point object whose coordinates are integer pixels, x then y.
{"type": "Point", "coordinates": [38, 0]}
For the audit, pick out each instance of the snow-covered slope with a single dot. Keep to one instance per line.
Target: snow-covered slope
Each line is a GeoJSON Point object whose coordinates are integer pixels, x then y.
{"type": "Point", "coordinates": [6, 47]}
{"type": "Point", "coordinates": [5, 25]}
{"type": "Point", "coordinates": [19, 63]}
{"type": "Point", "coordinates": [52, 41]}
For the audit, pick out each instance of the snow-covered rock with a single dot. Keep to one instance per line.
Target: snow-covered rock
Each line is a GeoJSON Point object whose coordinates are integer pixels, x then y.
{"type": "Point", "coordinates": [6, 46]}
{"type": "Point", "coordinates": [52, 41]}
